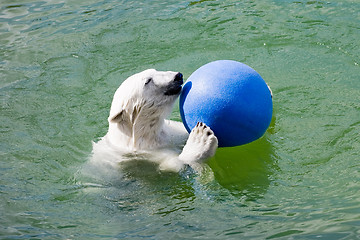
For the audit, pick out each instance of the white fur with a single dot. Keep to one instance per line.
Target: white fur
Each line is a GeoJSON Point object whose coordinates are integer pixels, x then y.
{"type": "Point", "coordinates": [137, 125]}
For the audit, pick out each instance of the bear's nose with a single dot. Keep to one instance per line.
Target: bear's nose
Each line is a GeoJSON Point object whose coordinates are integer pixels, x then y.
{"type": "Point", "coordinates": [178, 78]}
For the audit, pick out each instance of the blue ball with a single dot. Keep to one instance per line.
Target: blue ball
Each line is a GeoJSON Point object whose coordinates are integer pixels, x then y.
{"type": "Point", "coordinates": [231, 98]}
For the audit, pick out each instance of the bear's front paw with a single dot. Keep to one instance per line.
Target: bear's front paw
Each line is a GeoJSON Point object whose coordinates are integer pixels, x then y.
{"type": "Point", "coordinates": [201, 144]}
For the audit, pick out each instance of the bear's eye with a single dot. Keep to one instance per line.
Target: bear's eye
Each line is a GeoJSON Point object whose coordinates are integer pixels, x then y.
{"type": "Point", "coordinates": [148, 81]}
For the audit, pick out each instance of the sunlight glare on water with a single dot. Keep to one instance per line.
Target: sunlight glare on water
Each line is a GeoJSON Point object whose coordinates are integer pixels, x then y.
{"type": "Point", "coordinates": [61, 62]}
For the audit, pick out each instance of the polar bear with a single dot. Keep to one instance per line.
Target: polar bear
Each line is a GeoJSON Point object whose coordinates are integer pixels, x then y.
{"type": "Point", "coordinates": [138, 125]}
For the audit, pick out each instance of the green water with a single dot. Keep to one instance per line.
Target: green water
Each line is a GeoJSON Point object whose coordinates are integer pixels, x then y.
{"type": "Point", "coordinates": [61, 61]}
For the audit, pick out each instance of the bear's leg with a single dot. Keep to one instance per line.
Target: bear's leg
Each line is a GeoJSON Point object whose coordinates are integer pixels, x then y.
{"type": "Point", "coordinates": [201, 145]}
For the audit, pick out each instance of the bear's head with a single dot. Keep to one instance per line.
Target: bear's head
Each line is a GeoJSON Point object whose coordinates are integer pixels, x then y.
{"type": "Point", "coordinates": [145, 98]}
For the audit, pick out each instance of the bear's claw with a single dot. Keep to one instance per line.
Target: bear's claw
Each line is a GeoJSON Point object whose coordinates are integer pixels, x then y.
{"type": "Point", "coordinates": [201, 144]}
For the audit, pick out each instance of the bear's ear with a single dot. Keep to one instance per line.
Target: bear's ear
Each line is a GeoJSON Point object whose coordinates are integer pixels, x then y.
{"type": "Point", "coordinates": [126, 119]}
{"type": "Point", "coordinates": [123, 120]}
{"type": "Point", "coordinates": [119, 117]}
